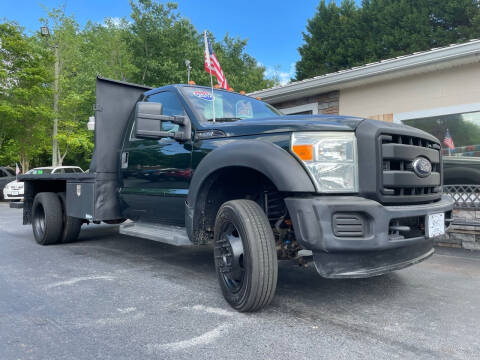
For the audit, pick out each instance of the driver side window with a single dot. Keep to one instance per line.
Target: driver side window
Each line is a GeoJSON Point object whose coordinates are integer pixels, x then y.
{"type": "Point", "coordinates": [171, 107]}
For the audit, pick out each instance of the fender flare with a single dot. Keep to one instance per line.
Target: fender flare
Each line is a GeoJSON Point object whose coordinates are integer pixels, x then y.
{"type": "Point", "coordinates": [283, 170]}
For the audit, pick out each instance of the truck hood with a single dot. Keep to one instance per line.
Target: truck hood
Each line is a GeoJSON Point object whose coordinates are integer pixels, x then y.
{"type": "Point", "coordinates": [287, 123]}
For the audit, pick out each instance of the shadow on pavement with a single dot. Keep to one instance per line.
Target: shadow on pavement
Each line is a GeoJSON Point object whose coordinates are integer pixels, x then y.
{"type": "Point", "coordinates": [193, 263]}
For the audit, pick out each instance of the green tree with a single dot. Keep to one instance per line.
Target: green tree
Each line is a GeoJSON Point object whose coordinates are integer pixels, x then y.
{"type": "Point", "coordinates": [161, 41]}
{"type": "Point", "coordinates": [241, 69]}
{"type": "Point", "coordinates": [340, 37]}
{"type": "Point", "coordinates": [25, 110]}
{"type": "Point", "coordinates": [150, 49]}
{"type": "Point", "coordinates": [332, 40]}
{"type": "Point", "coordinates": [72, 92]}
{"type": "Point", "coordinates": [105, 50]}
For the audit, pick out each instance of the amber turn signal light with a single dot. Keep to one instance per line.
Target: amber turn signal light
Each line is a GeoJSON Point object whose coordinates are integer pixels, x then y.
{"type": "Point", "coordinates": [304, 152]}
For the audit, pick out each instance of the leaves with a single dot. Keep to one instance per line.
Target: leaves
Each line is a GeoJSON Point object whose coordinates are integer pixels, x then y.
{"type": "Point", "coordinates": [150, 49]}
{"type": "Point", "coordinates": [24, 96]}
{"type": "Point", "coordinates": [340, 37]}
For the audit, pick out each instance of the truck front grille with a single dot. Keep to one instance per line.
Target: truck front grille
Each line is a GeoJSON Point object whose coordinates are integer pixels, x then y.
{"type": "Point", "coordinates": [399, 183]}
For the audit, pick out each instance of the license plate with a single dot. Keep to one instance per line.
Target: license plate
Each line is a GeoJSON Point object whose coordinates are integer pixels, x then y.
{"type": "Point", "coordinates": [435, 225]}
{"type": "Point", "coordinates": [14, 193]}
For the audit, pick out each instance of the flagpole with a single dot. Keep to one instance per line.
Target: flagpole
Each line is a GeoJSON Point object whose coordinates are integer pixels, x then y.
{"type": "Point", "coordinates": [207, 56]}
{"type": "Point", "coordinates": [213, 97]}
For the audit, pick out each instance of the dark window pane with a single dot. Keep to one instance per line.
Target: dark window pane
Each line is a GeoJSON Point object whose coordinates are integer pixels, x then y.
{"type": "Point", "coordinates": [171, 104]}
{"type": "Point", "coordinates": [464, 130]}
{"type": "Point", "coordinates": [461, 160]}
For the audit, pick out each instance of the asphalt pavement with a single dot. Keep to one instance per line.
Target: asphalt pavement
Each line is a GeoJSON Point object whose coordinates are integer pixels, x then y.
{"type": "Point", "coordinates": [111, 296]}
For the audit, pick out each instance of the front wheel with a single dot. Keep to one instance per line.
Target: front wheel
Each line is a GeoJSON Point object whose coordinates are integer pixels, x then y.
{"type": "Point", "coordinates": [245, 255]}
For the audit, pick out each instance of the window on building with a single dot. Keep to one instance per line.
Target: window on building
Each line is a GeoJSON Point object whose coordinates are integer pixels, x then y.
{"type": "Point", "coordinates": [309, 112]}
{"type": "Point", "coordinates": [306, 109]}
{"type": "Point", "coordinates": [459, 135]}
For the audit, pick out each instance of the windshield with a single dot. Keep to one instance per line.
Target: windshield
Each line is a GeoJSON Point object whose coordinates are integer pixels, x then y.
{"type": "Point", "coordinates": [228, 106]}
{"type": "Point", "coordinates": [10, 171]}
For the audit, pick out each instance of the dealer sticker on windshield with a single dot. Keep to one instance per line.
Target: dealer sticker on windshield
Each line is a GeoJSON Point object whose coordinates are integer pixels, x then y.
{"type": "Point", "coordinates": [435, 225]}
{"type": "Point", "coordinates": [204, 95]}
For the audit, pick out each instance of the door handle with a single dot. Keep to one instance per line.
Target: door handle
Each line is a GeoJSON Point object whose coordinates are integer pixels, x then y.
{"type": "Point", "coordinates": [124, 159]}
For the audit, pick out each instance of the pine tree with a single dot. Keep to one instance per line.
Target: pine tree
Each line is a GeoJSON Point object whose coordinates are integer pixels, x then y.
{"type": "Point", "coordinates": [340, 37]}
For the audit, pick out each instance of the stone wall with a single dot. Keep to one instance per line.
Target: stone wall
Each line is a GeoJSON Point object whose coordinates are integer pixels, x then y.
{"type": "Point", "coordinates": [328, 103]}
{"type": "Point", "coordinates": [463, 236]}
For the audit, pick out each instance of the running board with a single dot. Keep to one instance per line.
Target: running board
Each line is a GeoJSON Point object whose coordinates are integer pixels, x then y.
{"type": "Point", "coordinates": [168, 234]}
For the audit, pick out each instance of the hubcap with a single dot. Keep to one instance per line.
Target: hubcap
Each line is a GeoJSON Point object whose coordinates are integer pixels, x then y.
{"type": "Point", "coordinates": [229, 256]}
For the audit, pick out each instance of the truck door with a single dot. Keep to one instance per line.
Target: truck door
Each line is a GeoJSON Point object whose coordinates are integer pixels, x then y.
{"type": "Point", "coordinates": [156, 172]}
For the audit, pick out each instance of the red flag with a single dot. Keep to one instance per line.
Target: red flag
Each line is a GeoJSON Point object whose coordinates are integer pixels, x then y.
{"type": "Point", "coordinates": [212, 66]}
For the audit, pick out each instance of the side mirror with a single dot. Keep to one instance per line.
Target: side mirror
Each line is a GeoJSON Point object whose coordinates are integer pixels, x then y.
{"type": "Point", "coordinates": [148, 123]}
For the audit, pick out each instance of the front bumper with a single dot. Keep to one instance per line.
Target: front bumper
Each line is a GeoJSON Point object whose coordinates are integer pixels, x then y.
{"type": "Point", "coordinates": [377, 250]}
{"type": "Point", "coordinates": [8, 195]}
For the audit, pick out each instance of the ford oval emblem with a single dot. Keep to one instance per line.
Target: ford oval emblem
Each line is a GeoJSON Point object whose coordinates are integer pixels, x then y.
{"type": "Point", "coordinates": [422, 167]}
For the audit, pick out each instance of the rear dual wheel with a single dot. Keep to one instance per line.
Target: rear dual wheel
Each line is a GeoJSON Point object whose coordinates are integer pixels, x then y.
{"type": "Point", "coordinates": [245, 255]}
{"type": "Point", "coordinates": [71, 225]}
{"type": "Point", "coordinates": [50, 223]}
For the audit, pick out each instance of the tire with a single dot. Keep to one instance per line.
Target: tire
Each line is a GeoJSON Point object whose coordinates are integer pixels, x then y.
{"type": "Point", "coordinates": [47, 218]}
{"type": "Point", "coordinates": [245, 255]}
{"type": "Point", "coordinates": [71, 225]}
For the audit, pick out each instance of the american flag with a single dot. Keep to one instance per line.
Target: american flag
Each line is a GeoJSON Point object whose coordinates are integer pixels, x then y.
{"type": "Point", "coordinates": [212, 66]}
{"type": "Point", "coordinates": [448, 141]}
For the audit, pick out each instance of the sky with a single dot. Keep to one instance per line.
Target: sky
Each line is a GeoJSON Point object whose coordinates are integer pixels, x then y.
{"type": "Point", "coordinates": [273, 27]}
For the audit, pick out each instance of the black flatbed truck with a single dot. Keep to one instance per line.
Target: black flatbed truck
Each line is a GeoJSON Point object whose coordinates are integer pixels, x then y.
{"type": "Point", "coordinates": [190, 167]}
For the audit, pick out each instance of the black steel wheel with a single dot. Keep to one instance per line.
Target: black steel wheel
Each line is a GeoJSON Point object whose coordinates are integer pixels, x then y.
{"type": "Point", "coordinates": [230, 255]}
{"type": "Point", "coordinates": [47, 219]}
{"type": "Point", "coordinates": [245, 255]}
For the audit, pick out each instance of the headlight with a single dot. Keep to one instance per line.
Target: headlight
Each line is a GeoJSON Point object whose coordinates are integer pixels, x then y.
{"type": "Point", "coordinates": [330, 158]}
